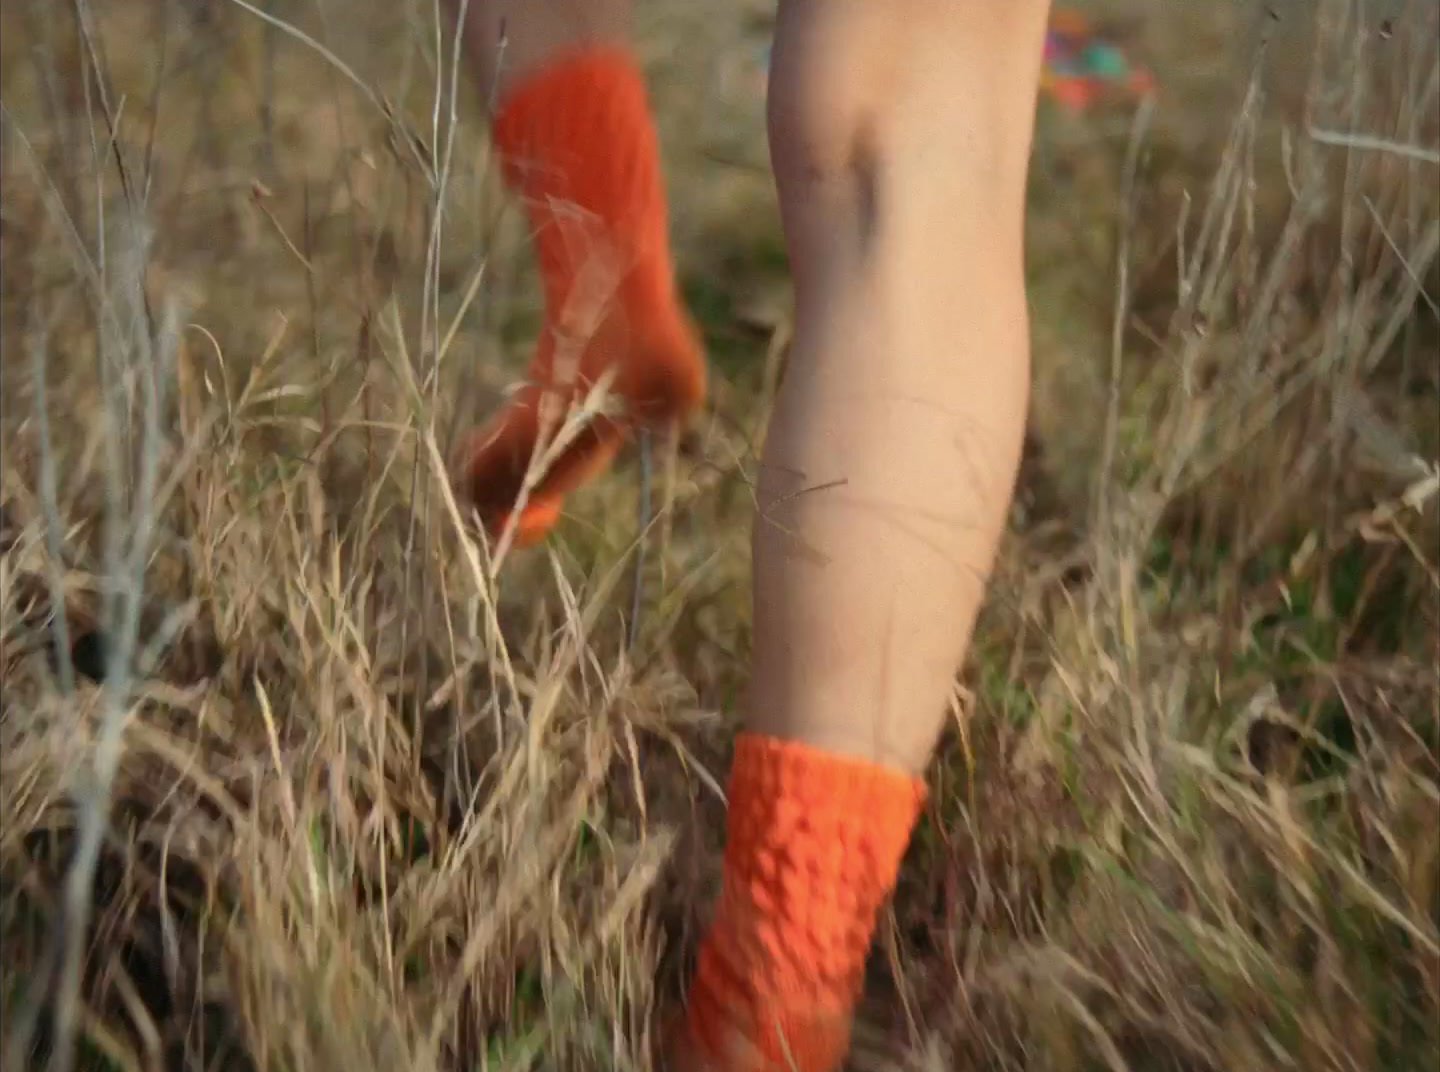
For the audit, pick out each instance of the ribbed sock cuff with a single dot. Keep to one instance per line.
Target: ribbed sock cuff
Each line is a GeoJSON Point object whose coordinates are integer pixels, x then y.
{"type": "Point", "coordinates": [813, 848]}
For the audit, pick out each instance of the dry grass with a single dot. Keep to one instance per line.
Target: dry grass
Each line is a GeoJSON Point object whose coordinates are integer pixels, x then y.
{"type": "Point", "coordinates": [363, 794]}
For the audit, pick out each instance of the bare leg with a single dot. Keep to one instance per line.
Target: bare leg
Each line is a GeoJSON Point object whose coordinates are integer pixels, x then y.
{"type": "Point", "coordinates": [901, 141]}
{"type": "Point", "coordinates": [577, 143]}
{"type": "Point", "coordinates": [900, 135]}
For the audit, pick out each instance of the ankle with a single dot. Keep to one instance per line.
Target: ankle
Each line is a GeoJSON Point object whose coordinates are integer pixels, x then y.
{"type": "Point", "coordinates": [813, 847]}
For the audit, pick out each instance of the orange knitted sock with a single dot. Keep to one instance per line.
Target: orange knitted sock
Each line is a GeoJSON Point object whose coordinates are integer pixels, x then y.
{"type": "Point", "coordinates": [578, 143]}
{"type": "Point", "coordinates": [813, 847]}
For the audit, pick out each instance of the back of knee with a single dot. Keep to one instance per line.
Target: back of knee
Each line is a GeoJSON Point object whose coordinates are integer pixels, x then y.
{"type": "Point", "coordinates": [903, 87]}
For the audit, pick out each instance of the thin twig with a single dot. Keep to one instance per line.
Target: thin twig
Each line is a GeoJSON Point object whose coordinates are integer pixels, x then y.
{"type": "Point", "coordinates": [1404, 261]}
{"type": "Point", "coordinates": [54, 530]}
{"type": "Point", "coordinates": [642, 538]}
{"type": "Point", "coordinates": [1371, 143]}
{"type": "Point", "coordinates": [1122, 302]}
{"type": "Point", "coordinates": [328, 56]}
{"type": "Point", "coordinates": [161, 72]}
{"type": "Point", "coordinates": [127, 579]}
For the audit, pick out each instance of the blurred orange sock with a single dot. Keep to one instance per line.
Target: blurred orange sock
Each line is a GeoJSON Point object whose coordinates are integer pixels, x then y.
{"type": "Point", "coordinates": [577, 142]}
{"type": "Point", "coordinates": [813, 847]}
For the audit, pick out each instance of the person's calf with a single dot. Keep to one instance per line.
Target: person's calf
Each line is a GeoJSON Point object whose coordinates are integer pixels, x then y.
{"type": "Point", "coordinates": [899, 141]}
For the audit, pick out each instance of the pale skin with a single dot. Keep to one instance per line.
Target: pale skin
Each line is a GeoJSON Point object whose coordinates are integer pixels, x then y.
{"type": "Point", "coordinates": [900, 137]}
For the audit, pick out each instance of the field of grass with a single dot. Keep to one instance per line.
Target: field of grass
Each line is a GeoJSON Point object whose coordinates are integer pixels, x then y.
{"type": "Point", "coordinates": [362, 794]}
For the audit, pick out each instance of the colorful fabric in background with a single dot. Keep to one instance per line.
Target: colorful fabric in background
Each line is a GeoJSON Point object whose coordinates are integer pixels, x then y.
{"type": "Point", "coordinates": [1081, 68]}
